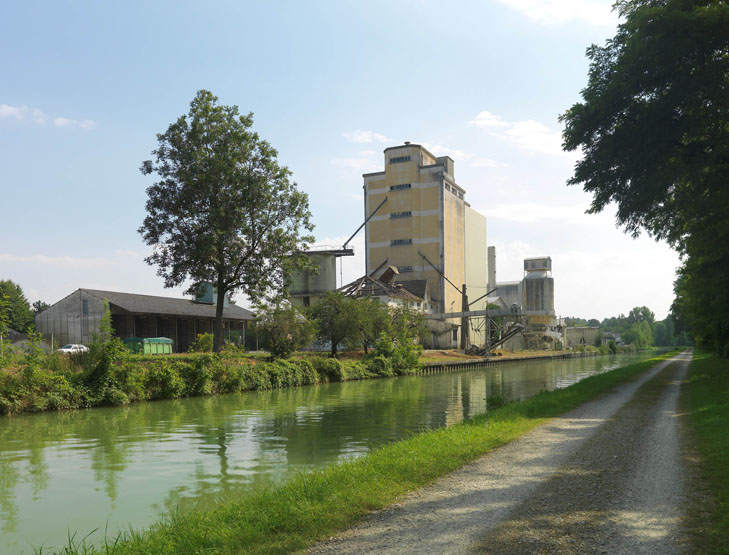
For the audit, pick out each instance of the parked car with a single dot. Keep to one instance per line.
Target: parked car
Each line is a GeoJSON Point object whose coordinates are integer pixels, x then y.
{"type": "Point", "coordinates": [73, 348]}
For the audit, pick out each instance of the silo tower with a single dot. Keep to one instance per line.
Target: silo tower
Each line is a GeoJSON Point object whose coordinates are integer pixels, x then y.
{"type": "Point", "coordinates": [538, 289]}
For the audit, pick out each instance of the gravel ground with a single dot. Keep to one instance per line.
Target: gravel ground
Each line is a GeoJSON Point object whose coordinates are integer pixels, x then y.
{"type": "Point", "coordinates": [607, 477]}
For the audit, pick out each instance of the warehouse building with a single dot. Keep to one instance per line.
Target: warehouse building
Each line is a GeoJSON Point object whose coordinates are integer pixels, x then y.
{"type": "Point", "coordinates": [77, 317]}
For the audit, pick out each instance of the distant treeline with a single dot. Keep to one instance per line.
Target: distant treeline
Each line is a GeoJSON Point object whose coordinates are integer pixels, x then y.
{"type": "Point", "coordinates": [639, 328]}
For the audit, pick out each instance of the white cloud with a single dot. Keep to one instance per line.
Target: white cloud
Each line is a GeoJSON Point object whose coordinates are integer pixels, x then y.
{"type": "Point", "coordinates": [462, 156]}
{"type": "Point", "coordinates": [359, 136]}
{"type": "Point", "coordinates": [534, 213]}
{"type": "Point", "coordinates": [17, 112]}
{"type": "Point", "coordinates": [365, 161]}
{"type": "Point", "coordinates": [550, 12]}
{"type": "Point", "coordinates": [528, 135]}
{"type": "Point", "coordinates": [56, 261]}
{"type": "Point", "coordinates": [39, 117]}
{"type": "Point", "coordinates": [67, 122]}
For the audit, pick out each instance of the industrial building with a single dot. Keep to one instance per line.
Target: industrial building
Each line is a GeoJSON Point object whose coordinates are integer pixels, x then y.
{"type": "Point", "coordinates": [418, 220]}
{"type": "Point", "coordinates": [533, 299]}
{"type": "Point", "coordinates": [307, 287]}
{"type": "Point", "coordinates": [75, 318]}
{"type": "Point", "coordinates": [426, 247]}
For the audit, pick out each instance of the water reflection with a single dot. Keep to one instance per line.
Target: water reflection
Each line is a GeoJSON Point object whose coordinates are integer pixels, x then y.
{"type": "Point", "coordinates": [118, 467]}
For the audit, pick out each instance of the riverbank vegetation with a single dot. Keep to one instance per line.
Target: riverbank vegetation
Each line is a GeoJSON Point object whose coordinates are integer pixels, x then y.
{"type": "Point", "coordinates": [707, 396]}
{"type": "Point", "coordinates": [313, 505]}
{"type": "Point", "coordinates": [32, 380]}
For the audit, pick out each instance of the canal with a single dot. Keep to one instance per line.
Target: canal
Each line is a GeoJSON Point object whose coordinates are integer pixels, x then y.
{"type": "Point", "coordinates": [112, 468]}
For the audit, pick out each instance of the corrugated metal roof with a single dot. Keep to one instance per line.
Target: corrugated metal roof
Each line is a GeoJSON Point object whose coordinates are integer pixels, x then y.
{"type": "Point", "coordinates": [150, 304]}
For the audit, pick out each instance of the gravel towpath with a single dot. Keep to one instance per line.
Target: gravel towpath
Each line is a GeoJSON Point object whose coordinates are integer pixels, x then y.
{"type": "Point", "coordinates": [607, 477]}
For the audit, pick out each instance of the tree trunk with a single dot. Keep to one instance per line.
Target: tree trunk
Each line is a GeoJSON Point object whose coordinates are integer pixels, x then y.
{"type": "Point", "coordinates": [218, 326]}
{"type": "Point", "coordinates": [334, 348]}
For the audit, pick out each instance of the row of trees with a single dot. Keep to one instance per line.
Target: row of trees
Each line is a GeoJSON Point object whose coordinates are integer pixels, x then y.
{"type": "Point", "coordinates": [338, 320]}
{"type": "Point", "coordinates": [653, 129]}
{"type": "Point", "coordinates": [15, 311]}
{"type": "Point", "coordinates": [639, 328]}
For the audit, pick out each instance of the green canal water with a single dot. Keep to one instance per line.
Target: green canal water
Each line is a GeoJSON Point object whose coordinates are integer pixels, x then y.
{"type": "Point", "coordinates": [108, 469]}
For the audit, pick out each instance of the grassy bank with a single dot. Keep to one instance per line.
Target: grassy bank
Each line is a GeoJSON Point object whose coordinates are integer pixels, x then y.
{"type": "Point", "coordinates": [316, 504]}
{"type": "Point", "coordinates": [707, 400]}
{"type": "Point", "coordinates": [56, 382]}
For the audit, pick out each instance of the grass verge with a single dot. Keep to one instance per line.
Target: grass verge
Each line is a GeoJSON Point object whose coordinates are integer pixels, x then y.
{"type": "Point", "coordinates": [314, 505]}
{"type": "Point", "coordinates": [707, 400]}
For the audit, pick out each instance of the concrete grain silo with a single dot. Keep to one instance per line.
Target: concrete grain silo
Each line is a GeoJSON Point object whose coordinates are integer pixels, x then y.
{"type": "Point", "coordinates": [538, 285]}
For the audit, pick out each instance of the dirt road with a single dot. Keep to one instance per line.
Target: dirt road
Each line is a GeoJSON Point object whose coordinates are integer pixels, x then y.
{"type": "Point", "coordinates": [607, 477]}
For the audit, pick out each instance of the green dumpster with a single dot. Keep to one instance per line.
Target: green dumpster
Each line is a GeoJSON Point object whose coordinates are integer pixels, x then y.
{"type": "Point", "coordinates": [149, 345]}
{"type": "Point", "coordinates": [135, 345]}
{"type": "Point", "coordinates": [157, 346]}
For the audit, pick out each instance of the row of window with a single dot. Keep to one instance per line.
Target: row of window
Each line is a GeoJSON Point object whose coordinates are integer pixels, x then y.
{"type": "Point", "coordinates": [404, 269]}
{"type": "Point", "coordinates": [396, 215]}
{"type": "Point", "coordinates": [400, 242]}
{"type": "Point", "coordinates": [400, 187]}
{"type": "Point", "coordinates": [399, 159]}
{"type": "Point", "coordinates": [455, 191]}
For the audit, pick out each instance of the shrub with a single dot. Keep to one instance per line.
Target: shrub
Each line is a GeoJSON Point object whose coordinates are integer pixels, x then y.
{"type": "Point", "coordinates": [380, 365]}
{"type": "Point", "coordinates": [203, 343]}
{"type": "Point", "coordinates": [329, 369]}
{"type": "Point", "coordinates": [164, 381]}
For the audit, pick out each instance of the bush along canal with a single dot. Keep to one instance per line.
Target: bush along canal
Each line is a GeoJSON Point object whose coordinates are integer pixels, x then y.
{"type": "Point", "coordinates": [115, 467]}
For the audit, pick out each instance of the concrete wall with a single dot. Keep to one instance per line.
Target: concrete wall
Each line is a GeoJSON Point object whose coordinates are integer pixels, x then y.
{"type": "Point", "coordinates": [510, 292]}
{"type": "Point", "coordinates": [585, 335]}
{"type": "Point", "coordinates": [491, 267]}
{"type": "Point", "coordinates": [538, 291]}
{"type": "Point", "coordinates": [66, 321]}
{"type": "Point", "coordinates": [475, 261]}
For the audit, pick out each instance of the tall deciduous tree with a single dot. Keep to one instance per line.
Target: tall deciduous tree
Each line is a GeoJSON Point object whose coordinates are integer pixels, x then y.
{"type": "Point", "coordinates": [16, 309]}
{"type": "Point", "coordinates": [223, 210]}
{"type": "Point", "coordinates": [372, 319]}
{"type": "Point", "coordinates": [335, 317]}
{"type": "Point", "coordinates": [653, 128]}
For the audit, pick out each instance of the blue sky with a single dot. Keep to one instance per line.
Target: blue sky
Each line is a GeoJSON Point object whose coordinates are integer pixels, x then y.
{"type": "Point", "coordinates": [85, 86]}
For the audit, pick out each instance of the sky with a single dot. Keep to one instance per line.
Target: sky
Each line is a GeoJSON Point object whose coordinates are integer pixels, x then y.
{"type": "Point", "coordinates": [86, 86]}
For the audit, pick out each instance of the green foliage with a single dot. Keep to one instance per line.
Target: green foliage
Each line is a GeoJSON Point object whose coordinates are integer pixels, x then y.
{"type": "Point", "coordinates": [612, 346]}
{"type": "Point", "coordinates": [372, 318]}
{"type": "Point", "coordinates": [639, 334]}
{"type": "Point", "coordinates": [105, 351]}
{"type": "Point", "coordinates": [14, 310]}
{"type": "Point", "coordinates": [164, 381]}
{"type": "Point", "coordinates": [203, 343]}
{"type": "Point", "coordinates": [223, 209]}
{"type": "Point", "coordinates": [335, 318]}
{"type": "Point", "coordinates": [39, 306]}
{"type": "Point", "coordinates": [707, 394]}
{"type": "Point", "coordinates": [329, 369]}
{"type": "Point", "coordinates": [598, 339]}
{"type": "Point", "coordinates": [282, 329]}
{"type": "Point", "coordinates": [653, 128]}
{"type": "Point", "coordinates": [394, 356]}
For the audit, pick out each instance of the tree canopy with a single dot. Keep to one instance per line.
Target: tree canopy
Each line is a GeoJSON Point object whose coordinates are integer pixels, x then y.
{"type": "Point", "coordinates": [653, 128]}
{"type": "Point", "coordinates": [223, 209]}
{"type": "Point", "coordinates": [15, 308]}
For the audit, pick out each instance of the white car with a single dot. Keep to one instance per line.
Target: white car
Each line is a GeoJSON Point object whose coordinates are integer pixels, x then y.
{"type": "Point", "coordinates": [73, 348]}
